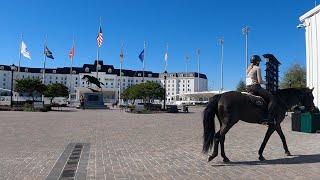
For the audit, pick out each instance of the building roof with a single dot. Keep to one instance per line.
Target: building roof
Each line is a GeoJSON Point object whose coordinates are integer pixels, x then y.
{"type": "Point", "coordinates": [108, 69]}
{"type": "Point", "coordinates": [310, 13]}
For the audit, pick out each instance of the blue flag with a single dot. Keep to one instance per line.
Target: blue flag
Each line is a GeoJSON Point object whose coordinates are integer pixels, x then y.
{"type": "Point", "coordinates": [141, 56]}
{"type": "Point", "coordinates": [48, 53]}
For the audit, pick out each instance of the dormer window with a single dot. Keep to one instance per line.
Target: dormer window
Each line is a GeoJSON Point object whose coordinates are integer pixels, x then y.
{"type": "Point", "coordinates": [74, 72]}
{"type": "Point", "coordinates": [149, 75]}
{"type": "Point", "coordinates": [2, 67]}
{"type": "Point", "coordinates": [86, 69]}
{"type": "Point", "coordinates": [191, 75]}
{"type": "Point", "coordinates": [54, 71]}
{"type": "Point", "coordinates": [26, 70]}
{"type": "Point", "coordinates": [109, 70]}
{"type": "Point", "coordinates": [99, 67]}
{"type": "Point", "coordinates": [122, 74]}
{"type": "Point", "coordinates": [181, 75]}
{"type": "Point", "coordinates": [171, 75]}
{"type": "Point", "coordinates": [41, 70]}
{"type": "Point", "coordinates": [139, 74]}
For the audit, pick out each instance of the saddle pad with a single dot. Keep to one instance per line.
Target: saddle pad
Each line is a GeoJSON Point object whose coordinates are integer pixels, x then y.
{"type": "Point", "coordinates": [258, 100]}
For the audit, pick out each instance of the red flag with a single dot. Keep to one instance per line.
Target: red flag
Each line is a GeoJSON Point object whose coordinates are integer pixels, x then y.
{"type": "Point", "coordinates": [71, 54]}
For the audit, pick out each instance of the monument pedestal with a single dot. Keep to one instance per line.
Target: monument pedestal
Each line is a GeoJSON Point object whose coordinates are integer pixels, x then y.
{"type": "Point", "coordinates": [94, 100]}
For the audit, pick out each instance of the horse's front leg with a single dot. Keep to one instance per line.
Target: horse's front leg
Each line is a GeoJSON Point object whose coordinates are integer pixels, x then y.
{"type": "Point", "coordinates": [271, 129]}
{"type": "Point", "coordinates": [283, 139]}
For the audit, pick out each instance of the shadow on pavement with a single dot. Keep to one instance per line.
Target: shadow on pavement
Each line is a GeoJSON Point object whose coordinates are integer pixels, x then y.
{"type": "Point", "coordinates": [294, 159]}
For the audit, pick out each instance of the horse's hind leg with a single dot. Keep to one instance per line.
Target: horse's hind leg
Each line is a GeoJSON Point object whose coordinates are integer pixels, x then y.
{"type": "Point", "coordinates": [215, 147]}
{"type": "Point", "coordinates": [223, 132]}
{"type": "Point", "coordinates": [283, 139]}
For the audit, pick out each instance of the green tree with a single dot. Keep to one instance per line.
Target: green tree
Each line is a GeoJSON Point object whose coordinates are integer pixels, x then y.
{"type": "Point", "coordinates": [33, 87]}
{"type": "Point", "coordinates": [151, 90]}
{"type": "Point", "coordinates": [56, 90]}
{"type": "Point", "coordinates": [294, 77]}
{"type": "Point", "coordinates": [130, 93]}
{"type": "Point", "coordinates": [241, 87]}
{"type": "Point", "coordinates": [146, 91]}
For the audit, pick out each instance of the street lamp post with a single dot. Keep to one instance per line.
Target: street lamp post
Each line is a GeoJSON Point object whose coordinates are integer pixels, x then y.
{"type": "Point", "coordinates": [164, 92]}
{"type": "Point", "coordinates": [13, 67]}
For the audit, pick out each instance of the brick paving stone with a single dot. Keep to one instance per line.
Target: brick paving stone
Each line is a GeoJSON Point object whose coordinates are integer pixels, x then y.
{"type": "Point", "coordinates": [148, 146]}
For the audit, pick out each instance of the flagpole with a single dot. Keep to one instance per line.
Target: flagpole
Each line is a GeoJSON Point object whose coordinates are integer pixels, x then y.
{"type": "Point", "coordinates": [97, 61]}
{"type": "Point", "coordinates": [187, 58]}
{"type": "Point", "coordinates": [121, 58]}
{"type": "Point", "coordinates": [71, 71]}
{"type": "Point", "coordinates": [167, 58]}
{"type": "Point", "coordinates": [44, 64]}
{"type": "Point", "coordinates": [144, 58]}
{"type": "Point", "coordinates": [20, 56]}
{"type": "Point", "coordinates": [222, 59]}
{"type": "Point", "coordinates": [198, 69]}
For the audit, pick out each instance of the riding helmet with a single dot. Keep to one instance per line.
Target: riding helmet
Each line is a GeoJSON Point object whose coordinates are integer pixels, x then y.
{"type": "Point", "coordinates": [255, 59]}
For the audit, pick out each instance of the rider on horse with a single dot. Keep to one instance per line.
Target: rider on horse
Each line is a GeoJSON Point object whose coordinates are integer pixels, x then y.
{"type": "Point", "coordinates": [253, 83]}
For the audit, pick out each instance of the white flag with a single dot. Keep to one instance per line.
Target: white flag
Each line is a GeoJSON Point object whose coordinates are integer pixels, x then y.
{"type": "Point", "coordinates": [24, 50]}
{"type": "Point", "coordinates": [166, 57]}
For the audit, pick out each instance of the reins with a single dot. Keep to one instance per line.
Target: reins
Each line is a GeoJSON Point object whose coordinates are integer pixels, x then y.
{"type": "Point", "coordinates": [283, 102]}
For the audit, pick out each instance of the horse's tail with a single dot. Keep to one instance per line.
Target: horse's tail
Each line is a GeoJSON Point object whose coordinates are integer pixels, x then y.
{"type": "Point", "coordinates": [209, 124]}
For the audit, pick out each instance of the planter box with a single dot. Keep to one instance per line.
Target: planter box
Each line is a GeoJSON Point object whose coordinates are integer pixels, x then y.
{"type": "Point", "coordinates": [310, 123]}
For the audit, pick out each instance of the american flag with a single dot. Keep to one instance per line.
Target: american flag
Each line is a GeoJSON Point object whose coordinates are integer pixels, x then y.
{"type": "Point", "coordinates": [71, 54]}
{"type": "Point", "coordinates": [99, 38]}
{"type": "Point", "coordinates": [121, 55]}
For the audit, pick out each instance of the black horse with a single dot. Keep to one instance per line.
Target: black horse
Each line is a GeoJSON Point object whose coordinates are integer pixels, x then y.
{"type": "Point", "coordinates": [230, 107]}
{"type": "Point", "coordinates": [93, 80]}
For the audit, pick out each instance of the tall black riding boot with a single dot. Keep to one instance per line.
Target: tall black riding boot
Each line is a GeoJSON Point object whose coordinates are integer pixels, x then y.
{"type": "Point", "coordinates": [270, 118]}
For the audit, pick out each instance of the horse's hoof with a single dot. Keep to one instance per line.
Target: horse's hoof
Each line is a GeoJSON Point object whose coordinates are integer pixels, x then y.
{"type": "Point", "coordinates": [261, 158]}
{"type": "Point", "coordinates": [288, 153]}
{"type": "Point", "coordinates": [226, 160]}
{"type": "Point", "coordinates": [210, 158]}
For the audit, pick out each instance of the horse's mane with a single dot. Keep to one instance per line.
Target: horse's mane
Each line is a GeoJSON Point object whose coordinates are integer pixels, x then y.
{"type": "Point", "coordinates": [287, 91]}
{"type": "Point", "coordinates": [291, 95]}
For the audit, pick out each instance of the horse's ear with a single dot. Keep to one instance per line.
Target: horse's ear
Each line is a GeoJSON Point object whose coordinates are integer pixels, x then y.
{"type": "Point", "coordinates": [312, 89]}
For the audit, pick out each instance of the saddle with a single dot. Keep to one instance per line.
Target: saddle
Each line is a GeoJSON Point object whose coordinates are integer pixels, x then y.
{"type": "Point", "coordinates": [257, 100]}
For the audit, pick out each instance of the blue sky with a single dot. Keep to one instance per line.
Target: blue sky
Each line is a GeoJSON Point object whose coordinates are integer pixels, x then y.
{"type": "Point", "coordinates": [185, 25]}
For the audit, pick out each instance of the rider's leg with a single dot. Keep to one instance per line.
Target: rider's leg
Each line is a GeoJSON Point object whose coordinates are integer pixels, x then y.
{"type": "Point", "coordinates": [271, 105]}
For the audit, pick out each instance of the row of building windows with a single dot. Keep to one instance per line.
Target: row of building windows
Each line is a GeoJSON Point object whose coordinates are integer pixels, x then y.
{"type": "Point", "coordinates": [179, 81]}
{"type": "Point", "coordinates": [4, 79]}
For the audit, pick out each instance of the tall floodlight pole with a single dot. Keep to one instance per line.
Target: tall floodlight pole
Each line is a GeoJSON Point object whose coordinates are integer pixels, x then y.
{"type": "Point", "coordinates": [221, 42]}
{"type": "Point", "coordinates": [245, 31]}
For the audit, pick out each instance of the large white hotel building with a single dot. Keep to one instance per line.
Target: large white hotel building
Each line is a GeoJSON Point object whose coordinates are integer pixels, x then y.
{"type": "Point", "coordinates": [177, 83]}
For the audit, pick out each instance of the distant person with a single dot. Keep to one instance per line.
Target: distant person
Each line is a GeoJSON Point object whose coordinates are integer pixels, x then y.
{"type": "Point", "coordinates": [253, 83]}
{"type": "Point", "coordinates": [81, 102]}
{"type": "Point", "coordinates": [126, 103]}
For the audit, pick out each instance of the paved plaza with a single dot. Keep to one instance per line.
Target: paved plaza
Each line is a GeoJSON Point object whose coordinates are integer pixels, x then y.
{"type": "Point", "coordinates": [122, 145]}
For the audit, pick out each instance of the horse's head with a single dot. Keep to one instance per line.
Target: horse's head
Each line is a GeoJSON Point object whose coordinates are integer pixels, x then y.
{"type": "Point", "coordinates": [306, 99]}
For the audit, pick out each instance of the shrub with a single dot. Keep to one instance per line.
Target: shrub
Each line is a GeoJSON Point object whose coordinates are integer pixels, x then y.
{"type": "Point", "coordinates": [9, 108]}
